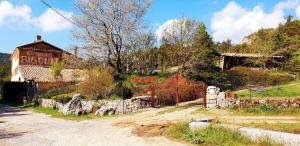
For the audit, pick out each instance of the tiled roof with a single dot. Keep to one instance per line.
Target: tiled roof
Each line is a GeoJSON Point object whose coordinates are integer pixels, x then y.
{"type": "Point", "coordinates": [44, 74]}
{"type": "Point", "coordinates": [246, 55]}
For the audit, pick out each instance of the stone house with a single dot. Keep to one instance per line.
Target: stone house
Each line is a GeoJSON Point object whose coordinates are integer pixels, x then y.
{"type": "Point", "coordinates": [32, 62]}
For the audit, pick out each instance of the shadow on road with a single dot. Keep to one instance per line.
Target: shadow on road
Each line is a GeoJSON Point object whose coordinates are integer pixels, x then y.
{"type": "Point", "coordinates": [8, 111]}
{"type": "Point", "coordinates": [7, 134]}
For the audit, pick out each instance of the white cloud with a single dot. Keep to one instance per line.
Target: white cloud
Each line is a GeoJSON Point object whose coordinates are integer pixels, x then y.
{"type": "Point", "coordinates": [235, 22]}
{"type": "Point", "coordinates": [175, 27]}
{"type": "Point", "coordinates": [9, 14]}
{"type": "Point", "coordinates": [290, 4]}
{"type": "Point", "coordinates": [298, 11]}
{"type": "Point", "coordinates": [51, 21]}
{"type": "Point", "coordinates": [165, 27]}
{"type": "Point", "coordinates": [20, 17]}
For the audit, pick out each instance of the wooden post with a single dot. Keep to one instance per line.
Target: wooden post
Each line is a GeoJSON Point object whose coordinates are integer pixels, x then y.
{"type": "Point", "coordinates": [177, 100]}
{"type": "Point", "coordinates": [204, 96]}
{"type": "Point", "coordinates": [152, 95]}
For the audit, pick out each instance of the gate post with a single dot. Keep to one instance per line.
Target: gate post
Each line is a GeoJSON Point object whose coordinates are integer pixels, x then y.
{"type": "Point", "coordinates": [204, 96]}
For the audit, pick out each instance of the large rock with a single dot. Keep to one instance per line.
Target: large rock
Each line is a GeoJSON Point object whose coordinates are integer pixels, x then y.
{"type": "Point", "coordinates": [105, 111]}
{"type": "Point", "coordinates": [74, 106]}
{"type": "Point", "coordinates": [50, 103]}
{"type": "Point", "coordinates": [87, 106]}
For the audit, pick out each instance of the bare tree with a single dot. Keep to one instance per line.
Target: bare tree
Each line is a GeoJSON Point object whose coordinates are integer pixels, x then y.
{"type": "Point", "coordinates": [143, 54]}
{"type": "Point", "coordinates": [179, 35]}
{"type": "Point", "coordinates": [106, 26]}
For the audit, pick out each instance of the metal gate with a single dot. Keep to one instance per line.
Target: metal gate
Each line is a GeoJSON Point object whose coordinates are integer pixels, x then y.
{"type": "Point", "coordinates": [175, 90]}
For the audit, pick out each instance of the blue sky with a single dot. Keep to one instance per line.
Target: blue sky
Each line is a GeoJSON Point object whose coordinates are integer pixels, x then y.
{"type": "Point", "coordinates": [22, 20]}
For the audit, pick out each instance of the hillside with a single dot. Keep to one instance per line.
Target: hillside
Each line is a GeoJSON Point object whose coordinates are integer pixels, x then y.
{"type": "Point", "coordinates": [4, 58]}
{"type": "Point", "coordinates": [290, 89]}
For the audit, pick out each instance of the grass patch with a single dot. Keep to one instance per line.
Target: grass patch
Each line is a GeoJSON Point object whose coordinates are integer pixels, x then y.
{"type": "Point", "coordinates": [56, 114]}
{"type": "Point", "coordinates": [282, 127]}
{"type": "Point", "coordinates": [287, 90]}
{"type": "Point", "coordinates": [265, 110]}
{"type": "Point", "coordinates": [213, 135]}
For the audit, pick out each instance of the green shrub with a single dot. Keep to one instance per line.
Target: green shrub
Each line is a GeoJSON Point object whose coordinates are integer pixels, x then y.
{"type": "Point", "coordinates": [56, 68]}
{"type": "Point", "coordinates": [123, 92]}
{"type": "Point", "coordinates": [50, 93]}
{"type": "Point", "coordinates": [63, 98]}
{"type": "Point", "coordinates": [113, 97]}
{"type": "Point", "coordinates": [57, 91]}
{"type": "Point", "coordinates": [194, 137]}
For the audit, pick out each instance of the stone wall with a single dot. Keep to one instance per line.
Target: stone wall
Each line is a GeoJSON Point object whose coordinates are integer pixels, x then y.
{"type": "Point", "coordinates": [128, 105]}
{"type": "Point", "coordinates": [120, 106]}
{"type": "Point", "coordinates": [280, 103]}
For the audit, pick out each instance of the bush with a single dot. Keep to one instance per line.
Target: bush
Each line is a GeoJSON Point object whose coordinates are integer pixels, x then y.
{"type": "Point", "coordinates": [63, 98]}
{"type": "Point", "coordinates": [56, 68]}
{"type": "Point", "coordinates": [123, 92]}
{"type": "Point", "coordinates": [264, 108]}
{"type": "Point", "coordinates": [99, 83]}
{"type": "Point", "coordinates": [208, 73]}
{"type": "Point", "coordinates": [57, 91]}
{"type": "Point", "coordinates": [175, 89]}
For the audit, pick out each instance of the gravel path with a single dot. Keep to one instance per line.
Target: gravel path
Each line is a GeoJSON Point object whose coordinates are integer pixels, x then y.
{"type": "Point", "coordinates": [25, 128]}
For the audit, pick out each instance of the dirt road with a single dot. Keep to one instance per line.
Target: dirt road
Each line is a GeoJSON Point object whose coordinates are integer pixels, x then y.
{"type": "Point", "coordinates": [24, 128]}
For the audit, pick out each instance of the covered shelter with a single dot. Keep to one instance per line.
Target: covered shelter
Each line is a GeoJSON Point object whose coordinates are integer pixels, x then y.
{"type": "Point", "coordinates": [229, 60]}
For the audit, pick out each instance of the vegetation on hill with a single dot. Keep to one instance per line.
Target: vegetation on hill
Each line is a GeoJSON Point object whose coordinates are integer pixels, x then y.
{"type": "Point", "coordinates": [4, 76]}
{"type": "Point", "coordinates": [4, 59]}
{"type": "Point", "coordinates": [280, 41]}
{"type": "Point", "coordinates": [290, 89]}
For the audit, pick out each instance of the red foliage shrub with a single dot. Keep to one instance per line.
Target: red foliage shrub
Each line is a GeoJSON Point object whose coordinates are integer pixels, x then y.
{"type": "Point", "coordinates": [176, 89]}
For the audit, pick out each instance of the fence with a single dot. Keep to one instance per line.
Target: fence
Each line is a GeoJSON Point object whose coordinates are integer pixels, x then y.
{"type": "Point", "coordinates": [175, 90]}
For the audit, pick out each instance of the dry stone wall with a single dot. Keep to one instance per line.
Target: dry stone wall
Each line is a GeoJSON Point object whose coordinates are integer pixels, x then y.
{"type": "Point", "coordinates": [117, 106]}
{"type": "Point", "coordinates": [280, 103]}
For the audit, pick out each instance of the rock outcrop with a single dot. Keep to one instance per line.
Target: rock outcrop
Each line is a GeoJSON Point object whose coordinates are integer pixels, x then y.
{"type": "Point", "coordinates": [74, 106]}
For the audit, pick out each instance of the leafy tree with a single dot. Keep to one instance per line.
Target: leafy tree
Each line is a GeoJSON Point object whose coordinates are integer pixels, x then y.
{"type": "Point", "coordinates": [143, 54]}
{"type": "Point", "coordinates": [225, 46]}
{"type": "Point", "coordinates": [203, 66]}
{"type": "Point", "coordinates": [56, 68]}
{"type": "Point", "coordinates": [205, 47]}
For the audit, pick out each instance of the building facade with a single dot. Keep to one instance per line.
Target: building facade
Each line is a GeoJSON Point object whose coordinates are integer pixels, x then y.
{"type": "Point", "coordinates": [32, 62]}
